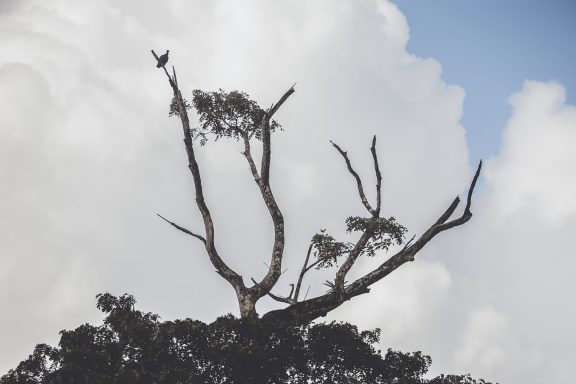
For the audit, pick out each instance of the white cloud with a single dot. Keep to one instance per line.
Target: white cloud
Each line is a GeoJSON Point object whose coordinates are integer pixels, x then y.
{"type": "Point", "coordinates": [401, 305]}
{"type": "Point", "coordinates": [481, 342]}
{"type": "Point", "coordinates": [88, 156]}
{"type": "Point", "coordinates": [511, 264]}
{"type": "Point", "coordinates": [537, 165]}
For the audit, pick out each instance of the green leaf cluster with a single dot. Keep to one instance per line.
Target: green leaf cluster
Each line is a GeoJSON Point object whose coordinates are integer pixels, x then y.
{"type": "Point", "coordinates": [382, 234]}
{"type": "Point", "coordinates": [328, 249]}
{"type": "Point", "coordinates": [225, 115]}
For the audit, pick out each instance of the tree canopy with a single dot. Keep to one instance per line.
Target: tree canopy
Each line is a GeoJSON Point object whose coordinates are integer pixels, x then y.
{"type": "Point", "coordinates": [135, 347]}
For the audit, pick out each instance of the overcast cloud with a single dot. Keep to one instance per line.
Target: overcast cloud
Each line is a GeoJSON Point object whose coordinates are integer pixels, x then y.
{"type": "Point", "coordinates": [88, 156]}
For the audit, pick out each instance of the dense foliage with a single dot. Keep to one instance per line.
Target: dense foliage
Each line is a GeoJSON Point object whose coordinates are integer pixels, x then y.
{"type": "Point", "coordinates": [137, 347]}
{"type": "Point", "coordinates": [225, 115]}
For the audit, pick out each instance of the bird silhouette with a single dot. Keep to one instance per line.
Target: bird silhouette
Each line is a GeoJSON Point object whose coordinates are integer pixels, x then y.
{"type": "Point", "coordinates": [162, 60]}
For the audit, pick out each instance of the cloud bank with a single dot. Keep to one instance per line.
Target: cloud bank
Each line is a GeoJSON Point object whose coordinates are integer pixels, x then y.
{"type": "Point", "coordinates": [88, 156]}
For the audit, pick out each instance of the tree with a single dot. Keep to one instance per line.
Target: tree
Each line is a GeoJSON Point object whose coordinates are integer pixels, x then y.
{"type": "Point", "coordinates": [134, 347]}
{"type": "Point", "coordinates": [282, 346]}
{"type": "Point", "coordinates": [235, 116]}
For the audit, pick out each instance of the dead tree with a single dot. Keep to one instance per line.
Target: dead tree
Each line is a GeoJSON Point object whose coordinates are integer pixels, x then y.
{"type": "Point", "coordinates": [234, 115]}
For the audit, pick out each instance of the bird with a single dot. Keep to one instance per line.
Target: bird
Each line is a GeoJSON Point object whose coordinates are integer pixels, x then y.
{"type": "Point", "coordinates": [162, 60]}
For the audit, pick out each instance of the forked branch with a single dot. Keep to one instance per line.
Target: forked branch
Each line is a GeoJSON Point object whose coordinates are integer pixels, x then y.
{"type": "Point", "coordinates": [305, 311]}
{"type": "Point", "coordinates": [344, 154]}
{"type": "Point", "coordinates": [263, 180]}
{"type": "Point", "coordinates": [368, 233]}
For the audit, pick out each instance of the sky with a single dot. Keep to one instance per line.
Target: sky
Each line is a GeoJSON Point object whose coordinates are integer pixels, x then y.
{"type": "Point", "coordinates": [88, 156]}
{"type": "Point", "coordinates": [489, 47]}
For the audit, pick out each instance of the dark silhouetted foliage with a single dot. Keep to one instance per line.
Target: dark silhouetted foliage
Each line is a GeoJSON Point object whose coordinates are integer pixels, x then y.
{"type": "Point", "coordinates": [137, 347]}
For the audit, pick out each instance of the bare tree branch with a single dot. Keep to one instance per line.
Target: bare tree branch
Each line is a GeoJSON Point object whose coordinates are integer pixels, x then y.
{"type": "Point", "coordinates": [378, 178]}
{"type": "Point", "coordinates": [472, 186]}
{"type": "Point", "coordinates": [199, 237]}
{"type": "Point", "coordinates": [266, 144]}
{"type": "Point", "coordinates": [358, 181]}
{"type": "Point", "coordinates": [248, 154]}
{"type": "Point", "coordinates": [287, 300]}
{"type": "Point", "coordinates": [291, 290]}
{"type": "Point", "coordinates": [246, 304]}
{"type": "Point", "coordinates": [366, 235]}
{"type": "Point", "coordinates": [174, 78]}
{"type": "Point", "coordinates": [279, 103]}
{"type": "Point", "coordinates": [263, 287]}
{"type": "Point", "coordinates": [305, 311]}
{"type": "Point", "coordinates": [350, 260]}
{"type": "Point", "coordinates": [409, 242]}
{"type": "Point", "coordinates": [408, 252]}
{"type": "Point", "coordinates": [305, 269]}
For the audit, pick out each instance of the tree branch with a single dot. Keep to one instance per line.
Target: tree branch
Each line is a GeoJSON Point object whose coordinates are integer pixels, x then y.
{"type": "Point", "coordinates": [305, 269]}
{"type": "Point", "coordinates": [358, 181]}
{"type": "Point", "coordinates": [378, 178]}
{"type": "Point", "coordinates": [287, 300]}
{"type": "Point", "coordinates": [305, 311]}
{"type": "Point", "coordinates": [350, 260]}
{"type": "Point", "coordinates": [248, 155]}
{"type": "Point", "coordinates": [365, 238]}
{"type": "Point", "coordinates": [266, 144]}
{"type": "Point", "coordinates": [199, 237]}
{"type": "Point", "coordinates": [170, 79]}
{"type": "Point", "coordinates": [263, 180]}
{"type": "Point", "coordinates": [279, 103]}
{"type": "Point", "coordinates": [221, 267]}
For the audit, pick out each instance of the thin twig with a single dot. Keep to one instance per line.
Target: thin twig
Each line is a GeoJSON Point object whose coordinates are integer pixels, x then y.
{"type": "Point", "coordinates": [287, 300]}
{"type": "Point", "coordinates": [408, 243]}
{"type": "Point", "coordinates": [174, 77]}
{"type": "Point", "coordinates": [302, 272]}
{"type": "Point", "coordinates": [199, 237]}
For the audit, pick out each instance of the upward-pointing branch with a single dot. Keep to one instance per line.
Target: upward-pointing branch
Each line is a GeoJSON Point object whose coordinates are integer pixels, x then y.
{"type": "Point", "coordinates": [266, 144]}
{"type": "Point", "coordinates": [305, 311]}
{"type": "Point", "coordinates": [358, 181]}
{"type": "Point", "coordinates": [265, 286]}
{"type": "Point", "coordinates": [221, 267]}
{"type": "Point", "coordinates": [378, 178]}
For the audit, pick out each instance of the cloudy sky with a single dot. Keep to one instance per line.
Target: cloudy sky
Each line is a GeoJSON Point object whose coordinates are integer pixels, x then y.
{"type": "Point", "coordinates": [88, 156]}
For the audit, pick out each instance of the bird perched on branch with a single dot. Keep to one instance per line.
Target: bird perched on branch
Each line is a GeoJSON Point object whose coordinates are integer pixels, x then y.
{"type": "Point", "coordinates": [162, 60]}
